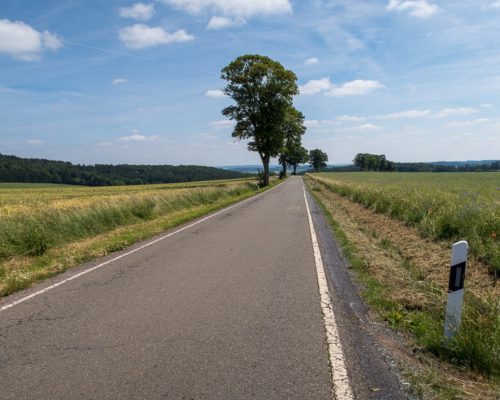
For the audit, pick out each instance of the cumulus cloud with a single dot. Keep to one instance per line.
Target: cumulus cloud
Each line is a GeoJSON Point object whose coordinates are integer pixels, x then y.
{"type": "Point", "coordinates": [140, 36]}
{"type": "Point", "coordinates": [234, 8]}
{"type": "Point", "coordinates": [406, 114]}
{"type": "Point", "coordinates": [214, 93]}
{"type": "Point", "coordinates": [217, 23]}
{"type": "Point", "coordinates": [355, 88]}
{"type": "Point", "coordinates": [352, 88]}
{"type": "Point", "coordinates": [138, 137]}
{"type": "Point", "coordinates": [232, 12]}
{"type": "Point", "coordinates": [367, 127]}
{"type": "Point", "coordinates": [315, 86]}
{"type": "Point", "coordinates": [416, 8]}
{"type": "Point", "coordinates": [119, 81]}
{"type": "Point", "coordinates": [139, 11]}
{"type": "Point", "coordinates": [465, 124]}
{"type": "Point", "coordinates": [450, 112]}
{"type": "Point", "coordinates": [311, 61]}
{"type": "Point", "coordinates": [350, 118]}
{"type": "Point", "coordinates": [24, 43]}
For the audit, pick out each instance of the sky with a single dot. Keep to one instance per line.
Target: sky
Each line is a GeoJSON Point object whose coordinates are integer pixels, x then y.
{"type": "Point", "coordinates": [119, 81]}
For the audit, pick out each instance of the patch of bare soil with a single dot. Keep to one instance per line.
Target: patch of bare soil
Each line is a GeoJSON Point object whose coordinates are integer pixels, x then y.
{"type": "Point", "coordinates": [415, 272]}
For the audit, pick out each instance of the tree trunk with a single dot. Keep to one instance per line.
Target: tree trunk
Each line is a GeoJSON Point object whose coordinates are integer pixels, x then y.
{"type": "Point", "coordinates": [284, 169]}
{"type": "Point", "coordinates": [294, 169]}
{"type": "Point", "coordinates": [265, 162]}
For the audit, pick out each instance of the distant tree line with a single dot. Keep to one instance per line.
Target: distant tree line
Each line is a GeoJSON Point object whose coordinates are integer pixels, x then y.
{"type": "Point", "coordinates": [420, 167]}
{"type": "Point", "coordinates": [432, 167]}
{"type": "Point", "coordinates": [17, 169]}
{"type": "Point", "coordinates": [373, 162]}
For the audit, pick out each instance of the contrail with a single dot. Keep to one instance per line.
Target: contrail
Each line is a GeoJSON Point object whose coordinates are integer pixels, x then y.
{"type": "Point", "coordinates": [121, 53]}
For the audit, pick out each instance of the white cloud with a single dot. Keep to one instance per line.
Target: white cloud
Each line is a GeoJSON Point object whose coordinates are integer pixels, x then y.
{"type": "Point", "coordinates": [487, 105]}
{"type": "Point", "coordinates": [311, 123]}
{"type": "Point", "coordinates": [494, 5]}
{"type": "Point", "coordinates": [406, 114]}
{"type": "Point", "coordinates": [138, 137]}
{"type": "Point", "coordinates": [139, 11]}
{"type": "Point", "coordinates": [311, 61]}
{"type": "Point", "coordinates": [350, 118]}
{"type": "Point", "coordinates": [355, 88]}
{"type": "Point", "coordinates": [140, 36]}
{"type": "Point", "coordinates": [416, 8]}
{"type": "Point", "coordinates": [222, 123]}
{"type": "Point", "coordinates": [461, 124]}
{"type": "Point", "coordinates": [367, 127]}
{"type": "Point", "coordinates": [315, 86]}
{"type": "Point", "coordinates": [217, 23]}
{"type": "Point", "coordinates": [119, 81]}
{"type": "Point", "coordinates": [36, 142]}
{"type": "Point", "coordinates": [215, 93]}
{"type": "Point", "coordinates": [233, 8]}
{"type": "Point", "coordinates": [352, 88]}
{"type": "Point", "coordinates": [448, 112]}
{"type": "Point", "coordinates": [23, 42]}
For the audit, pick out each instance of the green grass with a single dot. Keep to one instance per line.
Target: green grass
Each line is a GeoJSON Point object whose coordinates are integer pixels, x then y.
{"type": "Point", "coordinates": [475, 347]}
{"type": "Point", "coordinates": [81, 225]}
{"type": "Point", "coordinates": [444, 206]}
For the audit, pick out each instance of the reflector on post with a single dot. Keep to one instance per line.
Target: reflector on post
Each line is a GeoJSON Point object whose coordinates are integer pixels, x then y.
{"type": "Point", "coordinates": [458, 267]}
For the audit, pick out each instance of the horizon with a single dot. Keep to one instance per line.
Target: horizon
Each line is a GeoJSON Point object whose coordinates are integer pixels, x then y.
{"type": "Point", "coordinates": [138, 82]}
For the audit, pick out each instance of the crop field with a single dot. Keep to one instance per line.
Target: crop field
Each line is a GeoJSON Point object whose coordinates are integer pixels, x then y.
{"type": "Point", "coordinates": [39, 223]}
{"type": "Point", "coordinates": [447, 206]}
{"type": "Point", "coordinates": [396, 230]}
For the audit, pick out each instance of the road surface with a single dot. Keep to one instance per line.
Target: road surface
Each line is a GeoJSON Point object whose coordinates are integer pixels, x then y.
{"type": "Point", "coordinates": [228, 308]}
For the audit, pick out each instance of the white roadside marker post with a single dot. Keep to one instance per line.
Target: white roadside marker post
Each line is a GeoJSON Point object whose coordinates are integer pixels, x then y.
{"type": "Point", "coordinates": [455, 289]}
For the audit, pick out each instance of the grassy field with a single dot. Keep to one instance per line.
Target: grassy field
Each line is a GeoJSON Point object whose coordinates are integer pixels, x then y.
{"type": "Point", "coordinates": [396, 231]}
{"type": "Point", "coordinates": [446, 206]}
{"type": "Point", "coordinates": [45, 229]}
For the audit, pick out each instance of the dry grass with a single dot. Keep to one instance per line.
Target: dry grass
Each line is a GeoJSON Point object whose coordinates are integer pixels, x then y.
{"type": "Point", "coordinates": [405, 277]}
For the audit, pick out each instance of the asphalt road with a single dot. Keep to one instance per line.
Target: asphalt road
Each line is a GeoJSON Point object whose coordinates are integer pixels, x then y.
{"type": "Point", "coordinates": [226, 309]}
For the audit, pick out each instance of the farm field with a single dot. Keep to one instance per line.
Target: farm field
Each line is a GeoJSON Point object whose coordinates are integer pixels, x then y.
{"type": "Point", "coordinates": [396, 230]}
{"type": "Point", "coordinates": [45, 229]}
{"type": "Point", "coordinates": [445, 206]}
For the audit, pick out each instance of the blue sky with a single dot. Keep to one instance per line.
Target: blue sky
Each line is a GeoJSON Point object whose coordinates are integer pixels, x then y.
{"type": "Point", "coordinates": [138, 82]}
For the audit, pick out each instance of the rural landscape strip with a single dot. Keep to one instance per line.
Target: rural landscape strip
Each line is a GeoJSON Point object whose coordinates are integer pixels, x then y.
{"type": "Point", "coordinates": [340, 379]}
{"type": "Point", "coordinates": [244, 197]}
{"type": "Point", "coordinates": [390, 261]}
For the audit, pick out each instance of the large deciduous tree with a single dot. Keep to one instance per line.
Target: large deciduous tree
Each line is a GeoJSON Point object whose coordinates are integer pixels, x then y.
{"type": "Point", "coordinates": [293, 128]}
{"type": "Point", "coordinates": [317, 159]}
{"type": "Point", "coordinates": [298, 155]}
{"type": "Point", "coordinates": [263, 91]}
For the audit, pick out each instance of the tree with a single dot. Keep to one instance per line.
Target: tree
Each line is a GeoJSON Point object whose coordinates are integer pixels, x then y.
{"type": "Point", "coordinates": [263, 91]}
{"type": "Point", "coordinates": [317, 159]}
{"type": "Point", "coordinates": [293, 128]}
{"type": "Point", "coordinates": [298, 155]}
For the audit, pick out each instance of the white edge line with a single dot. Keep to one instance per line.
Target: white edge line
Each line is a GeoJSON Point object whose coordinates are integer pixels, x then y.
{"type": "Point", "coordinates": [340, 380]}
{"type": "Point", "coordinates": [44, 290]}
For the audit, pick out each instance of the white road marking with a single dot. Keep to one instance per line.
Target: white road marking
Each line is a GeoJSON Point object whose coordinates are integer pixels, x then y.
{"type": "Point", "coordinates": [341, 386]}
{"type": "Point", "coordinates": [44, 290]}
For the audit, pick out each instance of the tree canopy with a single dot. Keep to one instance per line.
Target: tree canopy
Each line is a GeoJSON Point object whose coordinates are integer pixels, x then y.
{"type": "Point", "coordinates": [373, 162]}
{"type": "Point", "coordinates": [263, 91]}
{"type": "Point", "coordinates": [17, 169]}
{"type": "Point", "coordinates": [317, 159]}
{"type": "Point", "coordinates": [293, 128]}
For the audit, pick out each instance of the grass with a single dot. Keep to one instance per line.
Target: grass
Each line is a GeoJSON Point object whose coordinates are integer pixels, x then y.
{"type": "Point", "coordinates": [408, 298]}
{"type": "Point", "coordinates": [46, 230]}
{"type": "Point", "coordinates": [445, 206]}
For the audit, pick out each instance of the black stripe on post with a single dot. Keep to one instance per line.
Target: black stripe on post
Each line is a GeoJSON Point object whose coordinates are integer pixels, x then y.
{"type": "Point", "coordinates": [457, 275]}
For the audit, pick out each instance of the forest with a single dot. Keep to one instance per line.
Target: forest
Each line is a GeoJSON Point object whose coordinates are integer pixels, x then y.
{"type": "Point", "coordinates": [31, 170]}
